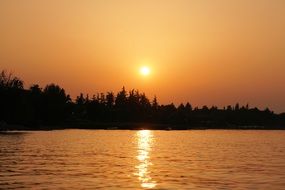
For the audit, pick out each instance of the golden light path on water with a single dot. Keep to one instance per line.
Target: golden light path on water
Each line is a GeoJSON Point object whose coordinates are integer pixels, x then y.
{"type": "Point", "coordinates": [145, 140]}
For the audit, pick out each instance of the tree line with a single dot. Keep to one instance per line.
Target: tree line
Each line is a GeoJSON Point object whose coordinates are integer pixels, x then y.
{"type": "Point", "coordinates": [51, 105]}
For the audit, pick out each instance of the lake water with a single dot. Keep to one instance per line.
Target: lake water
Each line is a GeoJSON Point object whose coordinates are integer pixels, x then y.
{"type": "Point", "coordinates": [106, 159]}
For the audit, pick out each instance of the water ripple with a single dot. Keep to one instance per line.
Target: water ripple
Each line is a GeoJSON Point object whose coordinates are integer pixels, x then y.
{"type": "Point", "coordinates": [85, 159]}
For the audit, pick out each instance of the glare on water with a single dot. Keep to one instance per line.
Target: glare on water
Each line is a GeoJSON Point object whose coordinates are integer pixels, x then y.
{"type": "Point", "coordinates": [144, 138]}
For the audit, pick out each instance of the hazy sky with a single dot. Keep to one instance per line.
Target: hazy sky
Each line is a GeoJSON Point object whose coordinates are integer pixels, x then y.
{"type": "Point", "coordinates": [208, 52]}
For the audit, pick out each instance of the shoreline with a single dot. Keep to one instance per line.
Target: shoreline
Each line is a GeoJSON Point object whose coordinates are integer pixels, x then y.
{"type": "Point", "coordinates": [132, 126]}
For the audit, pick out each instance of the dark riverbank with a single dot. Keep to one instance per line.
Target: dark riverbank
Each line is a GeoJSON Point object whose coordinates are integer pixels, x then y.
{"type": "Point", "coordinates": [134, 126]}
{"type": "Point", "coordinates": [51, 107]}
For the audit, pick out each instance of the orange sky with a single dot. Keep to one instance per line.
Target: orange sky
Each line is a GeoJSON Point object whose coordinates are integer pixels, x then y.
{"type": "Point", "coordinates": [203, 51]}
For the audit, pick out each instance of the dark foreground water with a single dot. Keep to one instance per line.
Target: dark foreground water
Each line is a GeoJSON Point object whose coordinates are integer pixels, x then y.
{"type": "Point", "coordinates": [86, 159]}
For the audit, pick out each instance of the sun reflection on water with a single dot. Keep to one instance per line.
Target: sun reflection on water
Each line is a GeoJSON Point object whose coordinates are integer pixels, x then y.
{"type": "Point", "coordinates": [144, 138]}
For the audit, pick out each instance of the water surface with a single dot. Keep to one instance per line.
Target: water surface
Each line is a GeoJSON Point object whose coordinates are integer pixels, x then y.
{"type": "Point", "coordinates": [94, 159]}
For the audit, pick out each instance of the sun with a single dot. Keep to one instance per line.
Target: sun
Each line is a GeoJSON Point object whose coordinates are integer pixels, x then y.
{"type": "Point", "coordinates": [145, 70]}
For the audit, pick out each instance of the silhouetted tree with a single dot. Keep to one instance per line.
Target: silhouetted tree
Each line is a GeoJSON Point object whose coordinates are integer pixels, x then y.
{"type": "Point", "coordinates": [8, 81]}
{"type": "Point", "coordinates": [55, 103]}
{"type": "Point", "coordinates": [80, 109]}
{"type": "Point", "coordinates": [154, 103]}
{"type": "Point", "coordinates": [121, 105]}
{"type": "Point", "coordinates": [229, 108]}
{"type": "Point", "coordinates": [36, 103]}
{"type": "Point", "coordinates": [12, 104]}
{"type": "Point", "coordinates": [237, 107]}
{"type": "Point", "coordinates": [110, 100]}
